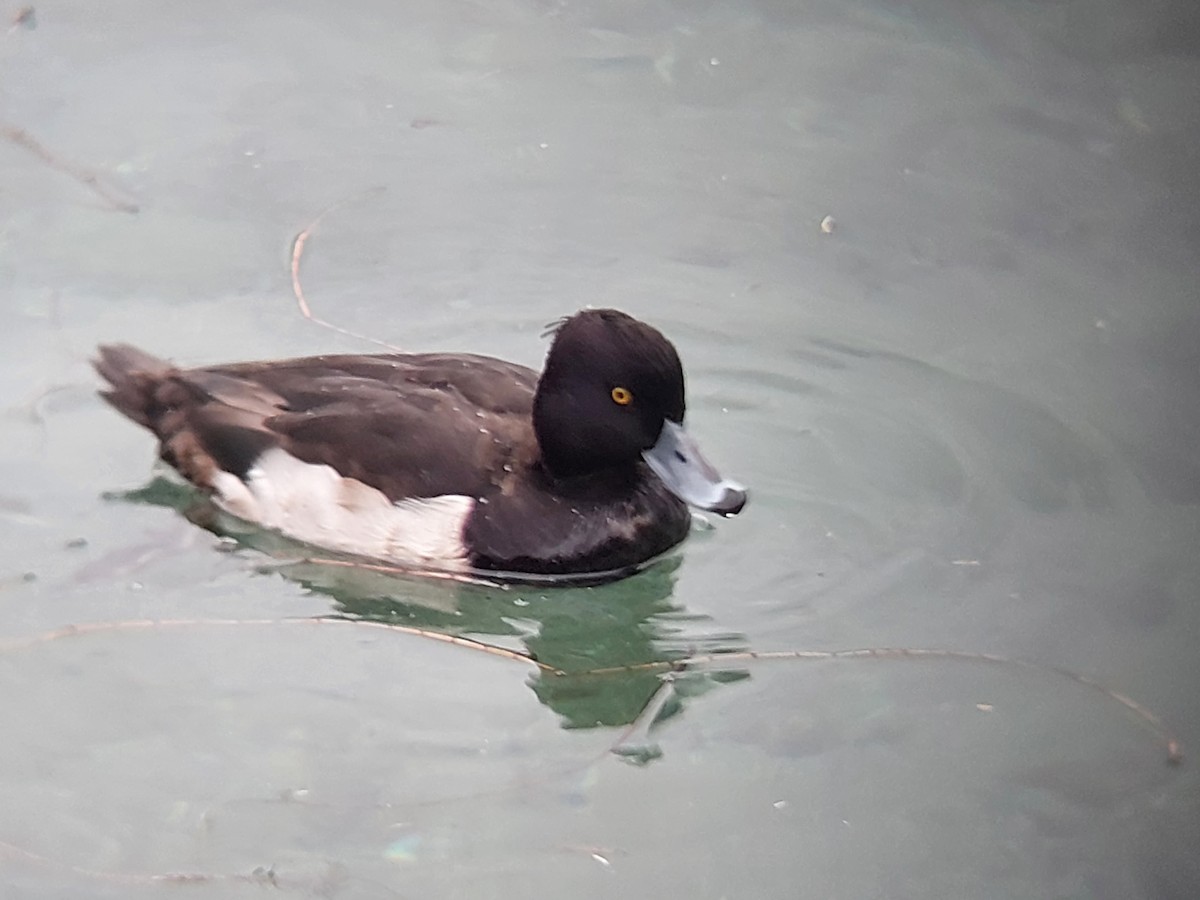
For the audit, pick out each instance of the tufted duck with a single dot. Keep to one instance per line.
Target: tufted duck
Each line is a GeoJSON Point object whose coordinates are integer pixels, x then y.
{"type": "Point", "coordinates": [444, 461]}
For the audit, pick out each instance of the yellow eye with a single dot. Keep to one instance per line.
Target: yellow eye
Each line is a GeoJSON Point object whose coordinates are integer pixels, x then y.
{"type": "Point", "coordinates": [621, 396]}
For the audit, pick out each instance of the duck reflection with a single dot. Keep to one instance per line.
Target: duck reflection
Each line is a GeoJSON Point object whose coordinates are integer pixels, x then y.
{"type": "Point", "coordinates": [574, 630]}
{"type": "Point", "coordinates": [631, 622]}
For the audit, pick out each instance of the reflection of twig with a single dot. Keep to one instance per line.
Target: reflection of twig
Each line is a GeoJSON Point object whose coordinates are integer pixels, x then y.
{"type": "Point", "coordinates": [1174, 747]}
{"type": "Point", "coordinates": [298, 243]}
{"type": "Point", "coordinates": [83, 175]}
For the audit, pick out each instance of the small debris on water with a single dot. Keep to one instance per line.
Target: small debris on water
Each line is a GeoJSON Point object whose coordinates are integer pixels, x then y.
{"type": "Point", "coordinates": [828, 224]}
{"type": "Point", "coordinates": [25, 18]}
{"type": "Point", "coordinates": [638, 754]}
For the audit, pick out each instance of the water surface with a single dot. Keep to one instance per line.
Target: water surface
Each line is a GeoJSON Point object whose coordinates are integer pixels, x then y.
{"type": "Point", "coordinates": [968, 414]}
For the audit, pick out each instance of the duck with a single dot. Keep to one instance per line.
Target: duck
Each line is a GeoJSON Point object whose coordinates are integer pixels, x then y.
{"type": "Point", "coordinates": [444, 462]}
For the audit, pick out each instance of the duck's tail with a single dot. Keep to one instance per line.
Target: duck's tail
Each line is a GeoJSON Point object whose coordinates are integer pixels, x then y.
{"type": "Point", "coordinates": [133, 375]}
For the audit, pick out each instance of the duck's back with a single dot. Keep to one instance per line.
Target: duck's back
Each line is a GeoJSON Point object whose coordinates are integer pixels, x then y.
{"type": "Point", "coordinates": [411, 426]}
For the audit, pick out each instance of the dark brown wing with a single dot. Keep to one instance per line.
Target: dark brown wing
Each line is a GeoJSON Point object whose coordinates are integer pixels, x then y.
{"type": "Point", "coordinates": [482, 382]}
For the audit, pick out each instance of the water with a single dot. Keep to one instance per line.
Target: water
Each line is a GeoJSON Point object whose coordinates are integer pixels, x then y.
{"type": "Point", "coordinates": [968, 416]}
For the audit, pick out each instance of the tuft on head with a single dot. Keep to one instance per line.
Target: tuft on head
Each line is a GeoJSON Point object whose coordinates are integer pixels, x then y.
{"type": "Point", "coordinates": [610, 341]}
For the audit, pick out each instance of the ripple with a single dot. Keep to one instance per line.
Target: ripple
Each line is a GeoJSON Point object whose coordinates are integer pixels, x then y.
{"type": "Point", "coordinates": [857, 456]}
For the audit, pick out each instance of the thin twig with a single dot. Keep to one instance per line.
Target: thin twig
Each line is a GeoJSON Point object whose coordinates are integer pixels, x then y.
{"type": "Point", "coordinates": [389, 569]}
{"type": "Point", "coordinates": [640, 727]}
{"type": "Point", "coordinates": [149, 624]}
{"type": "Point", "coordinates": [1173, 746]}
{"type": "Point", "coordinates": [298, 251]}
{"type": "Point", "coordinates": [638, 731]}
{"type": "Point", "coordinates": [1146, 716]}
{"type": "Point", "coordinates": [83, 175]}
{"type": "Point", "coordinates": [456, 640]}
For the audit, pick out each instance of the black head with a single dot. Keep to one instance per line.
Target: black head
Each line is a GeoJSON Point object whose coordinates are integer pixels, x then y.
{"type": "Point", "coordinates": [609, 383]}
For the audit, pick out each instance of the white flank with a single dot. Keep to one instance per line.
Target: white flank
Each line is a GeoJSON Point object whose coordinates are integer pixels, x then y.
{"type": "Point", "coordinates": [314, 504]}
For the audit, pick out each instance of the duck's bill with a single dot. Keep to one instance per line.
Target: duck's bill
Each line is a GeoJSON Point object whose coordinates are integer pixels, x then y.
{"type": "Point", "coordinates": [677, 460]}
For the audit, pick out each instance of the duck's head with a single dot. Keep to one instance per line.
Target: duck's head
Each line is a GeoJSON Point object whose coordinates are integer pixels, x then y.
{"type": "Point", "coordinates": [612, 394]}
